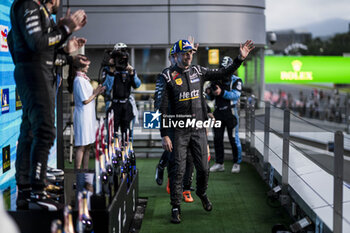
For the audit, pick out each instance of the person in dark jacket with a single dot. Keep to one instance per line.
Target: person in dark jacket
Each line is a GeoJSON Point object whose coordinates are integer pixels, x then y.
{"type": "Point", "coordinates": [183, 91]}
{"type": "Point", "coordinates": [226, 95]}
{"type": "Point", "coordinates": [118, 82]}
{"type": "Point", "coordinates": [35, 42]}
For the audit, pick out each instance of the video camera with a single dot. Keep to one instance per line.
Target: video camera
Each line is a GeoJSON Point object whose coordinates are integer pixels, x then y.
{"type": "Point", "coordinates": [121, 58]}
{"type": "Point", "coordinates": [106, 58]}
{"type": "Point", "coordinates": [213, 86]}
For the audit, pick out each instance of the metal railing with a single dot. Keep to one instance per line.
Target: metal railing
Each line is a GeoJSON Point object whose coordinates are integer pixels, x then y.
{"type": "Point", "coordinates": [284, 134]}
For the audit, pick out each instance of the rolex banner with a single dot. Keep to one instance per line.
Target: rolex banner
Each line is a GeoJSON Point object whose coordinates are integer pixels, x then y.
{"type": "Point", "coordinates": [307, 69]}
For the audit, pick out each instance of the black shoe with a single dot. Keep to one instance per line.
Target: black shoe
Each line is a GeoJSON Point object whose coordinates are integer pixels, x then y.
{"type": "Point", "coordinates": [205, 202]}
{"type": "Point", "coordinates": [40, 200]}
{"type": "Point", "coordinates": [23, 199]}
{"type": "Point", "coordinates": [175, 215]}
{"type": "Point", "coordinates": [159, 174]}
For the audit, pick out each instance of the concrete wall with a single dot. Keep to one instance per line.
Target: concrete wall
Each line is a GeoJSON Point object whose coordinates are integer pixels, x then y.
{"type": "Point", "coordinates": [143, 23]}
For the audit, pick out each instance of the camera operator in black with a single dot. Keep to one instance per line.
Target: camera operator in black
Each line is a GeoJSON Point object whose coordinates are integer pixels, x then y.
{"type": "Point", "coordinates": [226, 94]}
{"type": "Point", "coordinates": [119, 86]}
{"type": "Point", "coordinates": [183, 91]}
{"type": "Point", "coordinates": [34, 42]}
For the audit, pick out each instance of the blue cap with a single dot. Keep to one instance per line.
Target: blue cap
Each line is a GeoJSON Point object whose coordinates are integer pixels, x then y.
{"type": "Point", "coordinates": [182, 46]}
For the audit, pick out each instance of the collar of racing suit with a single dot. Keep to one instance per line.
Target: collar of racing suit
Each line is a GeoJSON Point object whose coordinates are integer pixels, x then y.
{"type": "Point", "coordinates": [181, 70]}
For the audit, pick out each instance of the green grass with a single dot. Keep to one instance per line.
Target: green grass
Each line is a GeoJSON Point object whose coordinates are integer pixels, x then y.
{"type": "Point", "coordinates": [239, 204]}
{"type": "Point", "coordinates": [68, 165]}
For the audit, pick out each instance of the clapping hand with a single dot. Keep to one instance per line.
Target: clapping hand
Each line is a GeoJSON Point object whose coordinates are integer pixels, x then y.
{"type": "Point", "coordinates": [74, 21]}
{"type": "Point", "coordinates": [80, 19]}
{"type": "Point", "coordinates": [80, 61]}
{"type": "Point", "coordinates": [74, 44]}
{"type": "Point", "coordinates": [99, 90]}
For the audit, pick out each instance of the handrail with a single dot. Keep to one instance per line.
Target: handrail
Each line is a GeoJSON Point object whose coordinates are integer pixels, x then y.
{"type": "Point", "coordinates": [338, 172]}
{"type": "Point", "coordinates": [151, 92]}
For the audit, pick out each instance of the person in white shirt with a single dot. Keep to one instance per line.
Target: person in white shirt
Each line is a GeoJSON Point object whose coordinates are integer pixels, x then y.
{"type": "Point", "coordinates": [84, 118]}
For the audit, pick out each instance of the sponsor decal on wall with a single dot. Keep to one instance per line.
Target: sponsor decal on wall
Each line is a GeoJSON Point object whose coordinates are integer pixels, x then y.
{"type": "Point", "coordinates": [6, 159]}
{"type": "Point", "coordinates": [18, 101]}
{"type": "Point", "coordinates": [5, 99]}
{"type": "Point", "coordinates": [3, 38]}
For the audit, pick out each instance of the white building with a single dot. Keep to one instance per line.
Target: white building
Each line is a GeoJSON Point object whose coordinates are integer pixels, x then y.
{"type": "Point", "coordinates": [150, 27]}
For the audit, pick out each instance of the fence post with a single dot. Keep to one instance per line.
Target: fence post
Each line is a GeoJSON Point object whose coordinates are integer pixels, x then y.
{"type": "Point", "coordinates": [347, 113]}
{"type": "Point", "coordinates": [267, 132]}
{"type": "Point", "coordinates": [252, 130]}
{"type": "Point", "coordinates": [247, 141]}
{"type": "Point", "coordinates": [285, 162]}
{"type": "Point", "coordinates": [338, 182]}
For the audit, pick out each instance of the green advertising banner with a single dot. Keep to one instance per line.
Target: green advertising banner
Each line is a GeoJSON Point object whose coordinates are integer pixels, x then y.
{"type": "Point", "coordinates": [307, 69]}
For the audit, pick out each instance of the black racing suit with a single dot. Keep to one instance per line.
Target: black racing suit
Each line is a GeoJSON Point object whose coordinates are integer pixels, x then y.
{"type": "Point", "coordinates": [34, 41]}
{"type": "Point", "coordinates": [121, 106]}
{"type": "Point", "coordinates": [167, 158]}
{"type": "Point", "coordinates": [183, 91]}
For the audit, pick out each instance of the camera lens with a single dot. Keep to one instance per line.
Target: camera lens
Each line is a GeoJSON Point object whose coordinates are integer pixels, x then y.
{"type": "Point", "coordinates": [213, 87]}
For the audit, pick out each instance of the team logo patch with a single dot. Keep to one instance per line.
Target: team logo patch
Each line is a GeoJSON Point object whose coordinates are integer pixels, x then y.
{"type": "Point", "coordinates": [194, 78]}
{"type": "Point", "coordinates": [178, 81]}
{"type": "Point", "coordinates": [174, 74]}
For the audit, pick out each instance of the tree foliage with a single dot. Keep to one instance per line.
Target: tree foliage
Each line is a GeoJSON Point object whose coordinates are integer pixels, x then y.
{"type": "Point", "coordinates": [334, 46]}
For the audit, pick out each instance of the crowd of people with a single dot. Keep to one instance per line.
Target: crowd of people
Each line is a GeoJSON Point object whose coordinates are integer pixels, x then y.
{"type": "Point", "coordinates": [40, 47]}
{"type": "Point", "coordinates": [317, 104]}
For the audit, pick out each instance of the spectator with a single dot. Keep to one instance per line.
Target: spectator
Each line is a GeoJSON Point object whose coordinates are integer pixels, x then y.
{"type": "Point", "coordinates": [84, 120]}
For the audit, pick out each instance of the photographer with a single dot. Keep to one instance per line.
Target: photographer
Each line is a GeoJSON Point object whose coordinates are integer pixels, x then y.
{"type": "Point", "coordinates": [120, 76]}
{"type": "Point", "coordinates": [226, 93]}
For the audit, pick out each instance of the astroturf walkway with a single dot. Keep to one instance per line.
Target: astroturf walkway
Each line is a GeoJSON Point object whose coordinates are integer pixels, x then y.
{"type": "Point", "coordinates": [239, 203]}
